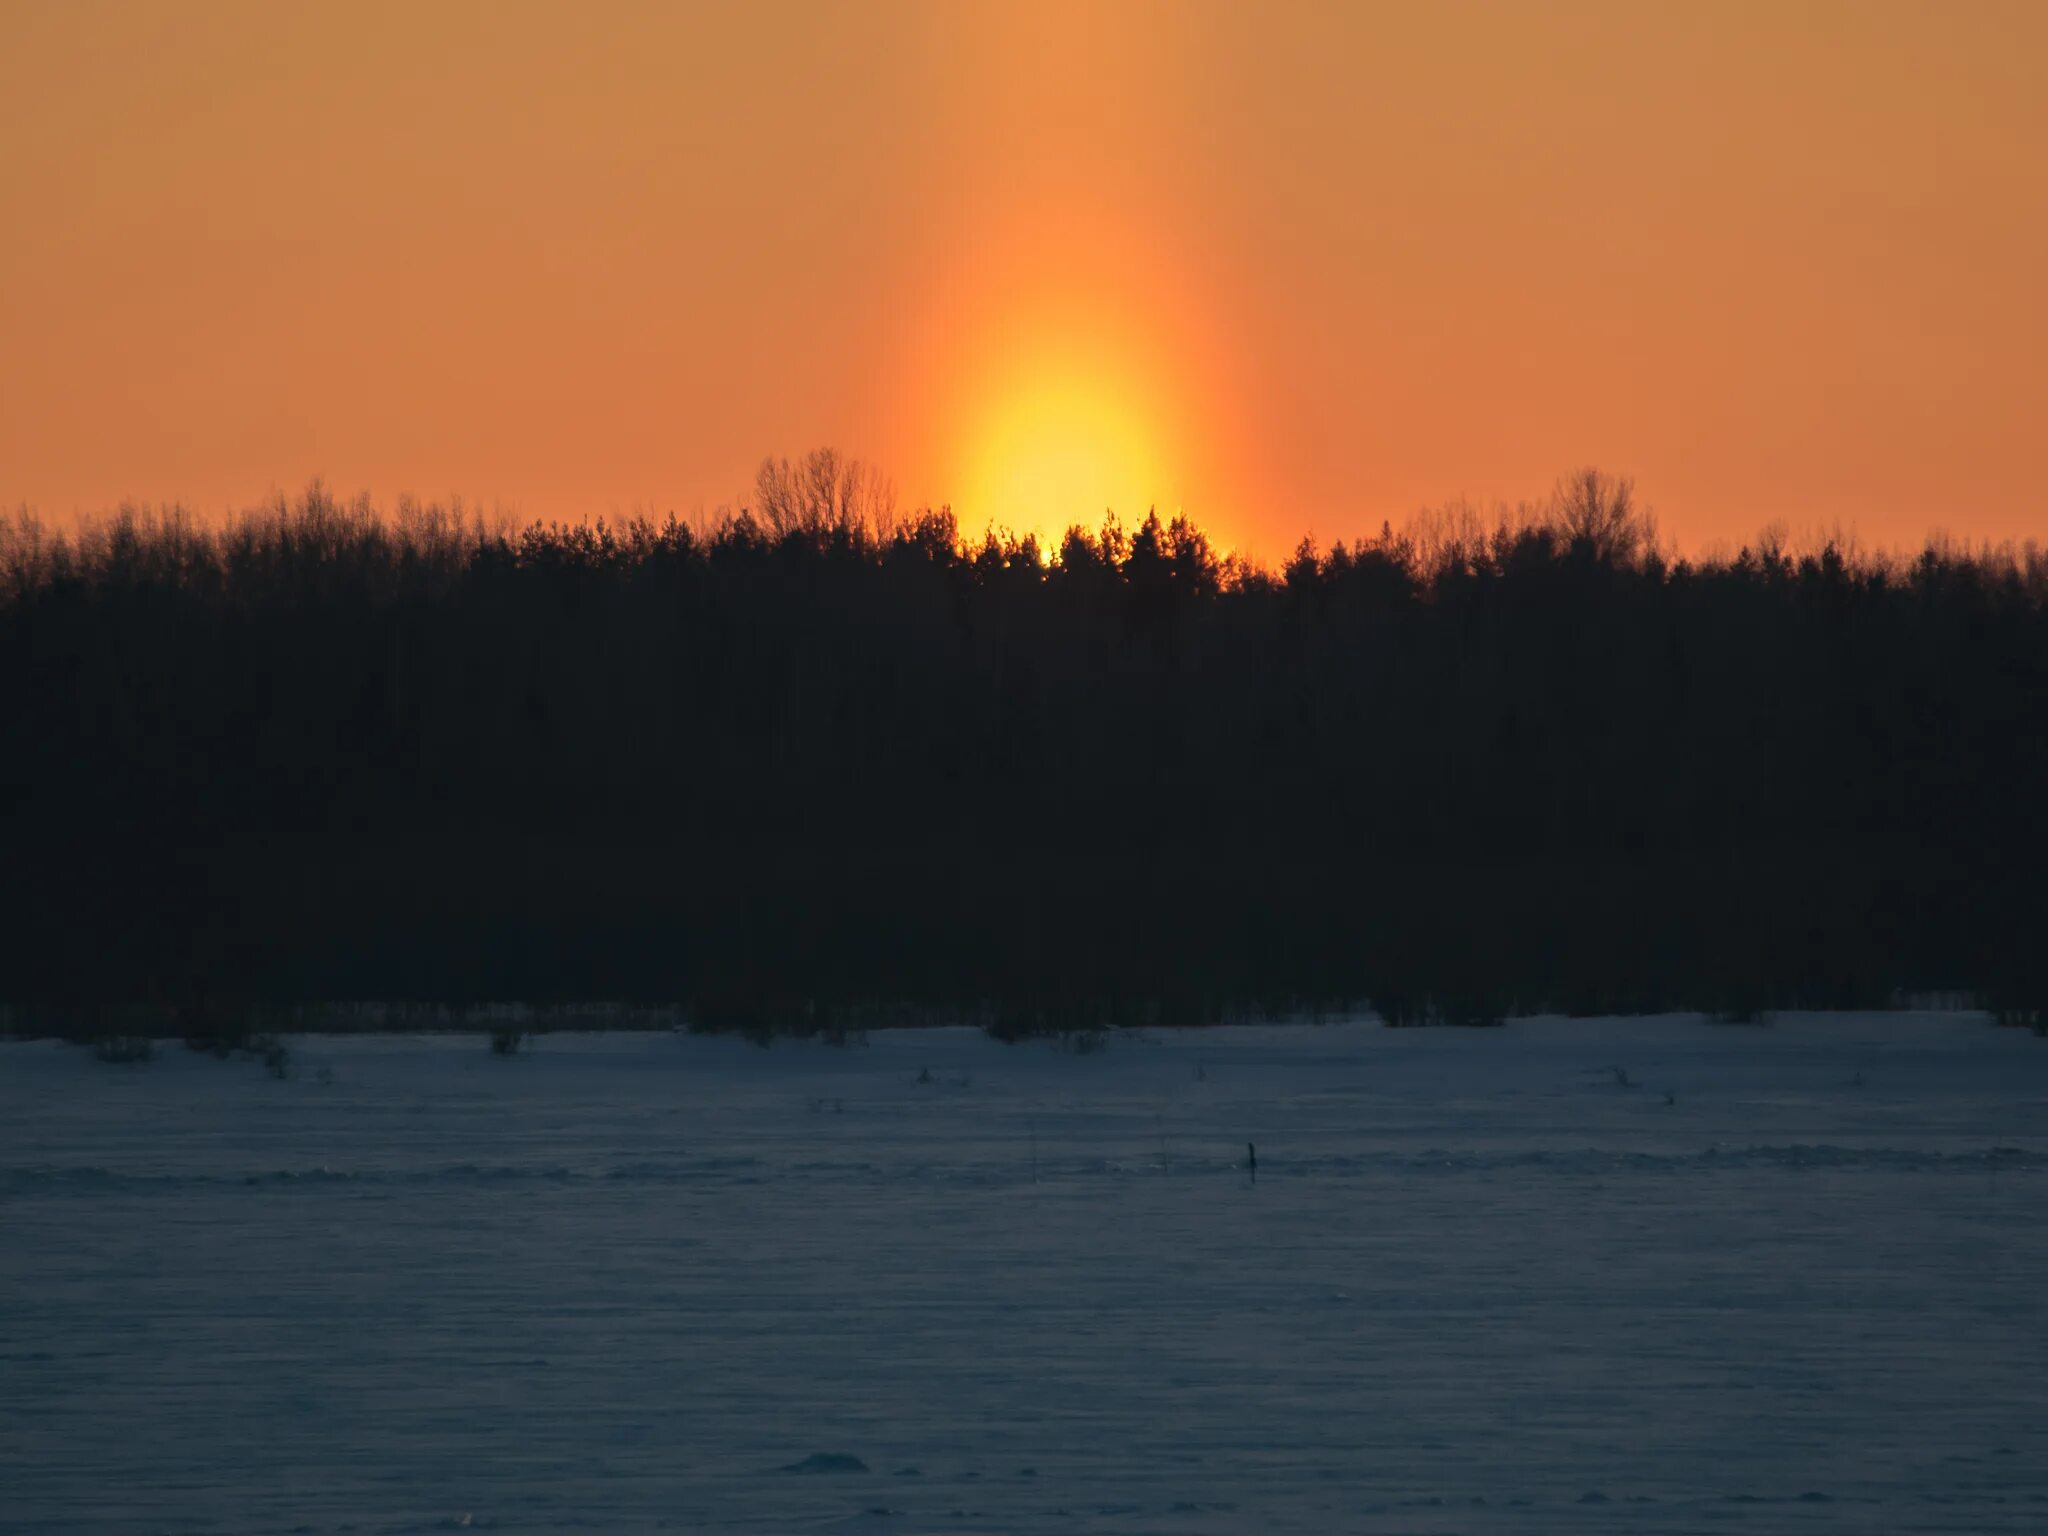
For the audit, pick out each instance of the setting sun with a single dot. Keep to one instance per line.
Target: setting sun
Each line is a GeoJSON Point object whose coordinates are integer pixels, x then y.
{"type": "Point", "coordinates": [1060, 449]}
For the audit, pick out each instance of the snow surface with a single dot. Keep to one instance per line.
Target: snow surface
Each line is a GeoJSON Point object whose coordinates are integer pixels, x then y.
{"type": "Point", "coordinates": [633, 1282]}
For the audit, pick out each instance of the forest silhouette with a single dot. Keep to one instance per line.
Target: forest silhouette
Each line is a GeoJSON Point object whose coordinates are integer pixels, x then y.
{"type": "Point", "coordinates": [814, 763]}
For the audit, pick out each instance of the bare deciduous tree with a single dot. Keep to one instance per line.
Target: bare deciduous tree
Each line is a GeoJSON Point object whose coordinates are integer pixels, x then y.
{"type": "Point", "coordinates": [1598, 514]}
{"type": "Point", "coordinates": [825, 492]}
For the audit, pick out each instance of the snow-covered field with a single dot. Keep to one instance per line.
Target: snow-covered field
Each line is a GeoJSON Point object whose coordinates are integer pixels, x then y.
{"type": "Point", "coordinates": [639, 1282]}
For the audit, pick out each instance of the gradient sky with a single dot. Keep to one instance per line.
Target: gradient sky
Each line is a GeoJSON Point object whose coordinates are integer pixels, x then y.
{"type": "Point", "coordinates": [1289, 267]}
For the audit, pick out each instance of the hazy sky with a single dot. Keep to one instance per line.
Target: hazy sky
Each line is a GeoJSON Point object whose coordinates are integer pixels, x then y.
{"type": "Point", "coordinates": [1286, 266]}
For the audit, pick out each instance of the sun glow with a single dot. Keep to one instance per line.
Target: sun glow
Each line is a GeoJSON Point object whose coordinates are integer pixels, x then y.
{"type": "Point", "coordinates": [1061, 443]}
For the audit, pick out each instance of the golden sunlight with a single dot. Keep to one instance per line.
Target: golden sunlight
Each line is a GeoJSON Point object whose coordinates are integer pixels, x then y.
{"type": "Point", "coordinates": [1059, 443]}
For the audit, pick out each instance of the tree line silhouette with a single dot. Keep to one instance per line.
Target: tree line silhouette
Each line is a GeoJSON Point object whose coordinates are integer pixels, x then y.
{"type": "Point", "coordinates": [815, 762]}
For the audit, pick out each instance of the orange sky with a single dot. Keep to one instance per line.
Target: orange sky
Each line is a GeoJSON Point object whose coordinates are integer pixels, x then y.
{"type": "Point", "coordinates": [1286, 266]}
